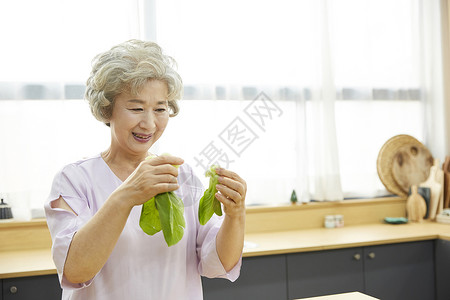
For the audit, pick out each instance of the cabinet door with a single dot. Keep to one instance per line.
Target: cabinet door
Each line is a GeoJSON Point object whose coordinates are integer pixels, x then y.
{"type": "Point", "coordinates": [35, 287]}
{"type": "Point", "coordinates": [400, 271]}
{"type": "Point", "coordinates": [261, 277]}
{"type": "Point", "coordinates": [442, 269]}
{"type": "Point", "coordinates": [325, 272]}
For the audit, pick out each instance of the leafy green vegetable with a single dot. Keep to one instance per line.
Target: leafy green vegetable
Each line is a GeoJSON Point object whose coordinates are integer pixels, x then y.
{"type": "Point", "coordinates": [171, 210]}
{"type": "Point", "coordinates": [164, 212]}
{"type": "Point", "coordinates": [208, 203]}
{"type": "Point", "coordinates": [150, 220]}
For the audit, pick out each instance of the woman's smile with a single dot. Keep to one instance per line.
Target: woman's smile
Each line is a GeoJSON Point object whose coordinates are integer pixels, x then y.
{"type": "Point", "coordinates": [142, 138]}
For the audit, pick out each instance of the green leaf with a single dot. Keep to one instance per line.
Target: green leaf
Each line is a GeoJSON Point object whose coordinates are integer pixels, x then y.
{"type": "Point", "coordinates": [217, 207]}
{"type": "Point", "coordinates": [208, 203]}
{"type": "Point", "coordinates": [206, 209]}
{"type": "Point", "coordinates": [164, 212]}
{"type": "Point", "coordinates": [149, 220]}
{"type": "Point", "coordinates": [171, 215]}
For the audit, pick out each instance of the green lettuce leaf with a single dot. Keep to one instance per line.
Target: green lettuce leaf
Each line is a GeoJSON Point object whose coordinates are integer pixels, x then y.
{"type": "Point", "coordinates": [208, 203]}
{"type": "Point", "coordinates": [164, 212]}
{"type": "Point", "coordinates": [149, 220]}
{"type": "Point", "coordinates": [171, 215]}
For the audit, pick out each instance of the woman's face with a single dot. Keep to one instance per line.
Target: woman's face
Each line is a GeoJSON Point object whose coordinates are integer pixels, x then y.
{"type": "Point", "coordinates": [137, 122]}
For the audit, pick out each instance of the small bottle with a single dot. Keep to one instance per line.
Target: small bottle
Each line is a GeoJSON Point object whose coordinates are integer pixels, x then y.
{"type": "Point", "coordinates": [330, 221]}
{"type": "Point", "coordinates": [339, 220]}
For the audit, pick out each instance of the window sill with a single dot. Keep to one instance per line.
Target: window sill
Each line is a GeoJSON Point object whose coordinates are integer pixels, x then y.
{"type": "Point", "coordinates": [33, 234]}
{"type": "Point", "coordinates": [311, 215]}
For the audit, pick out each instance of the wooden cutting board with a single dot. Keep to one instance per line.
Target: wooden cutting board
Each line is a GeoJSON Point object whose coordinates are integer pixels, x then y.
{"type": "Point", "coordinates": [435, 183]}
{"type": "Point", "coordinates": [446, 169]}
{"type": "Point", "coordinates": [416, 207]}
{"type": "Point", "coordinates": [411, 166]}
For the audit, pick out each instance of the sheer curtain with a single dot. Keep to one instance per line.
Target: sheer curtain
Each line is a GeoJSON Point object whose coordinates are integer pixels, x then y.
{"type": "Point", "coordinates": [397, 72]}
{"type": "Point", "coordinates": [292, 95]}
{"type": "Point", "coordinates": [240, 49]}
{"type": "Point", "coordinates": [47, 47]}
{"type": "Point", "coordinates": [431, 64]}
{"type": "Point", "coordinates": [347, 74]}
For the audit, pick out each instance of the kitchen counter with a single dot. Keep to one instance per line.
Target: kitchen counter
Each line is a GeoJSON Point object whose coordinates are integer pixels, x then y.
{"type": "Point", "coordinates": [31, 262]}
{"type": "Point", "coordinates": [24, 263]}
{"type": "Point", "coordinates": [269, 243]}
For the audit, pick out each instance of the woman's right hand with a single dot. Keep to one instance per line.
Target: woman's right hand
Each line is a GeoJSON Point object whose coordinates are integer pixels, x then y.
{"type": "Point", "coordinates": [152, 176]}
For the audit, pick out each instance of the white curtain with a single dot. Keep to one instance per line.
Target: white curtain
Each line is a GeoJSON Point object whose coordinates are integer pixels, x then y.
{"type": "Point", "coordinates": [292, 95]}
{"type": "Point", "coordinates": [324, 153]}
{"type": "Point", "coordinates": [357, 72]}
{"type": "Point", "coordinates": [239, 49]}
{"type": "Point", "coordinates": [47, 48]}
{"type": "Point", "coordinates": [398, 70]}
{"type": "Point", "coordinates": [431, 63]}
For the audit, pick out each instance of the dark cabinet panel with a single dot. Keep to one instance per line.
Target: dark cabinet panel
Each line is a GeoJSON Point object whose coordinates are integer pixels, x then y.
{"type": "Point", "coordinates": [325, 272]}
{"type": "Point", "coordinates": [442, 265]}
{"type": "Point", "coordinates": [35, 287]}
{"type": "Point", "coordinates": [416, 270]}
{"type": "Point", "coordinates": [261, 278]}
{"type": "Point", "coordinates": [400, 271]}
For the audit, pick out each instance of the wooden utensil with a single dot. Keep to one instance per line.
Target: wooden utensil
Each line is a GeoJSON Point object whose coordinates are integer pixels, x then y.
{"type": "Point", "coordinates": [385, 161]}
{"type": "Point", "coordinates": [434, 182]}
{"type": "Point", "coordinates": [416, 207]}
{"type": "Point", "coordinates": [446, 170]}
{"type": "Point", "coordinates": [411, 165]}
{"type": "Point", "coordinates": [426, 195]}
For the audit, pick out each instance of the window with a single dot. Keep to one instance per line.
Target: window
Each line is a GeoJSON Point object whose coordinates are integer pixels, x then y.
{"type": "Point", "coordinates": [341, 78]}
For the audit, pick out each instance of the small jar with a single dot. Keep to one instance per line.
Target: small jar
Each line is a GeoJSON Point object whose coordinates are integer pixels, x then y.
{"type": "Point", "coordinates": [330, 221]}
{"type": "Point", "coordinates": [339, 220]}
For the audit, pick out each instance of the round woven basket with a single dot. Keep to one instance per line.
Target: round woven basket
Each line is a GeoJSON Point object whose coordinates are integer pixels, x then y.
{"type": "Point", "coordinates": [385, 161]}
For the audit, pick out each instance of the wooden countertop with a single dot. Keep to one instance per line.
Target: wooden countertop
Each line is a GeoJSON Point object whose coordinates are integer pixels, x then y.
{"type": "Point", "coordinates": [26, 263]}
{"type": "Point", "coordinates": [269, 243]}
{"type": "Point", "coordinates": [34, 262]}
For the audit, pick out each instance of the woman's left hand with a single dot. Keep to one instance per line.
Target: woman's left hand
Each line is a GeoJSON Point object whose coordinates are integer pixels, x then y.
{"type": "Point", "coordinates": [231, 193]}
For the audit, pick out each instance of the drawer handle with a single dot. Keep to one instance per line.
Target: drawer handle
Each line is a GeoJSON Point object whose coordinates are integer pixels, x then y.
{"type": "Point", "coordinates": [371, 255]}
{"type": "Point", "coordinates": [357, 256]}
{"type": "Point", "coordinates": [13, 289]}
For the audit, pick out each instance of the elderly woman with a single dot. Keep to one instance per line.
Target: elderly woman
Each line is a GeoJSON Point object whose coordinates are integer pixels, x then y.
{"type": "Point", "coordinates": [94, 206]}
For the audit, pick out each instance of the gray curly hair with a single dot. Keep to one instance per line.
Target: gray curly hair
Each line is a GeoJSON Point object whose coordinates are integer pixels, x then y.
{"type": "Point", "coordinates": [126, 68]}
